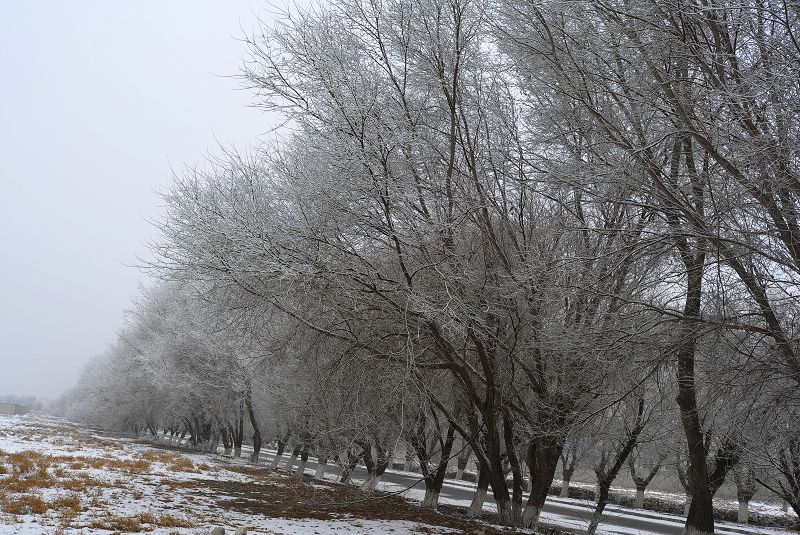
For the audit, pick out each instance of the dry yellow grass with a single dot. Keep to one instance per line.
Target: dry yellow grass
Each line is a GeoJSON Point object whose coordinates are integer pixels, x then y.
{"type": "Point", "coordinates": [118, 523]}
{"type": "Point", "coordinates": [169, 521]}
{"type": "Point", "coordinates": [26, 503]}
{"type": "Point", "coordinates": [158, 456]}
{"type": "Point", "coordinates": [71, 502]}
{"type": "Point", "coordinates": [147, 518]}
{"type": "Point", "coordinates": [182, 464]}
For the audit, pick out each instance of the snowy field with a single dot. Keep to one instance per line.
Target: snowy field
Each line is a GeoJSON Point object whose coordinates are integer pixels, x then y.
{"type": "Point", "coordinates": [57, 478]}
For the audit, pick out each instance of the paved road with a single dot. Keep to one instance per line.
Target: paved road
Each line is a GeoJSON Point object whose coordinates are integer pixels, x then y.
{"type": "Point", "coordinates": [558, 512]}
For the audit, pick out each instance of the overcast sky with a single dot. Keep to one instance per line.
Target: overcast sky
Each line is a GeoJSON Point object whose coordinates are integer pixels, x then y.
{"type": "Point", "coordinates": [98, 101]}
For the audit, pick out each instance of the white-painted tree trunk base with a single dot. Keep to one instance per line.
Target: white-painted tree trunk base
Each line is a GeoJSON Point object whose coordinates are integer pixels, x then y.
{"type": "Point", "coordinates": [370, 483]}
{"type": "Point", "coordinates": [290, 463]}
{"type": "Point", "coordinates": [431, 500]}
{"type": "Point", "coordinates": [228, 452]}
{"type": "Point", "coordinates": [301, 469]}
{"type": "Point", "coordinates": [530, 517]}
{"type": "Point", "coordinates": [639, 499]}
{"type": "Point", "coordinates": [320, 473]}
{"type": "Point", "coordinates": [274, 464]}
{"type": "Point", "coordinates": [564, 489]}
{"type": "Point", "coordinates": [476, 507]}
{"type": "Point", "coordinates": [743, 512]}
{"type": "Point", "coordinates": [459, 474]}
{"type": "Point", "coordinates": [687, 504]}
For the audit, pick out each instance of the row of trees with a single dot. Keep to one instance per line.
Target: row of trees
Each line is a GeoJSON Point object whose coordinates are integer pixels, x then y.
{"type": "Point", "coordinates": [530, 225]}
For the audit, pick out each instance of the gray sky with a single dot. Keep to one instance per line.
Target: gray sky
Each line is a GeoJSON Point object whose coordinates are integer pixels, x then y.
{"type": "Point", "coordinates": [98, 100]}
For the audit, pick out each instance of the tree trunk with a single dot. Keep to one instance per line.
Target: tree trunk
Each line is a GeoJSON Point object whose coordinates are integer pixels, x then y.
{"type": "Point", "coordinates": [602, 500]}
{"type": "Point", "coordinates": [639, 498]}
{"type": "Point", "coordinates": [254, 424]}
{"type": "Point", "coordinates": [278, 454]}
{"type": "Point", "coordinates": [476, 507]}
{"type": "Point", "coordinates": [700, 518]}
{"type": "Point", "coordinates": [227, 439]}
{"type": "Point", "coordinates": [434, 480]}
{"type": "Point", "coordinates": [238, 435]}
{"type": "Point", "coordinates": [745, 489]}
{"type": "Point", "coordinates": [409, 464]}
{"type": "Point", "coordinates": [505, 514]}
{"type": "Point", "coordinates": [516, 470]}
{"type": "Point", "coordinates": [607, 476]}
{"type": "Point", "coordinates": [349, 462]}
{"type": "Point", "coordinates": [322, 461]}
{"type": "Point", "coordinates": [462, 460]}
{"type": "Point", "coordinates": [564, 493]}
{"type": "Point", "coordinates": [371, 481]}
{"type": "Point", "coordinates": [743, 512]}
{"type": "Point", "coordinates": [301, 468]}
{"type": "Point", "coordinates": [542, 459]}
{"type": "Point", "coordinates": [431, 499]}
{"type": "Point", "coordinates": [290, 463]}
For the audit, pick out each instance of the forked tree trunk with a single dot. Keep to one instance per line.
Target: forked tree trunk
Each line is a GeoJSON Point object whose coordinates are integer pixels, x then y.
{"type": "Point", "coordinates": [434, 480]}
{"type": "Point", "coordinates": [569, 459]}
{"type": "Point", "coordinates": [607, 476]}
{"type": "Point", "coordinates": [542, 460]}
{"type": "Point", "coordinates": [642, 482]}
{"type": "Point", "coordinates": [384, 460]}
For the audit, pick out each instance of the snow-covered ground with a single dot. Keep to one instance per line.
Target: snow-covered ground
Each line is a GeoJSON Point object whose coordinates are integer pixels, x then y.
{"type": "Point", "coordinates": [57, 478]}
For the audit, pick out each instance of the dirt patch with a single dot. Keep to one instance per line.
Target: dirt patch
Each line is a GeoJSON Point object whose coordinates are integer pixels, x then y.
{"type": "Point", "coordinates": [279, 496]}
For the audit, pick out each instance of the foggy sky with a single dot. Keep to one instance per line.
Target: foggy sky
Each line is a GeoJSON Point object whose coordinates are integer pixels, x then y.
{"type": "Point", "coordinates": [98, 101]}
